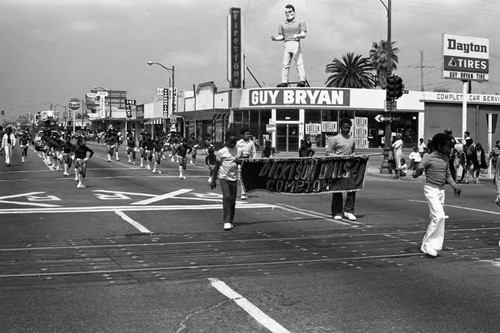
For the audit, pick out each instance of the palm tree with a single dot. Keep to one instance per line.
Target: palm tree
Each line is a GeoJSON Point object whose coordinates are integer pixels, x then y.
{"type": "Point", "coordinates": [351, 72]}
{"type": "Point", "coordinates": [378, 59]}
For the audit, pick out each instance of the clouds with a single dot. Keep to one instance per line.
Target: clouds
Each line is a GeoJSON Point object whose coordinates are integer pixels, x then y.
{"type": "Point", "coordinates": [55, 49]}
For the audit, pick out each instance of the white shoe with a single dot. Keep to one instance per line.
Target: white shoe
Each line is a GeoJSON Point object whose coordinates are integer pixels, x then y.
{"type": "Point", "coordinates": [65, 174]}
{"type": "Point", "coordinates": [337, 217]}
{"type": "Point", "coordinates": [350, 216]}
{"type": "Point", "coordinates": [148, 167]}
{"type": "Point", "coordinates": [228, 226]}
{"type": "Point", "coordinates": [209, 179]}
{"type": "Point", "coordinates": [182, 177]}
{"type": "Point", "coordinates": [159, 171]}
{"type": "Point", "coordinates": [244, 197]}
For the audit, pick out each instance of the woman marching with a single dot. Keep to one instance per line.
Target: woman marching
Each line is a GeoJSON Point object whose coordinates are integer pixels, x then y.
{"type": "Point", "coordinates": [80, 150]}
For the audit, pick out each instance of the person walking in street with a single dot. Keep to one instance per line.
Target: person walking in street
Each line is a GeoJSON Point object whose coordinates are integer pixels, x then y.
{"type": "Point", "coordinates": [437, 173]}
{"type": "Point", "coordinates": [24, 142]}
{"type": "Point", "coordinates": [157, 153]}
{"type": "Point", "coordinates": [397, 150]}
{"type": "Point", "coordinates": [8, 144]}
{"type": "Point", "coordinates": [66, 149]}
{"type": "Point", "coordinates": [80, 154]}
{"type": "Point", "coordinates": [248, 150]}
{"type": "Point", "coordinates": [131, 147]}
{"type": "Point", "coordinates": [226, 169]}
{"type": "Point", "coordinates": [291, 32]}
{"type": "Point", "coordinates": [111, 142]}
{"type": "Point", "coordinates": [494, 156]}
{"type": "Point", "coordinates": [181, 151]}
{"type": "Point", "coordinates": [342, 144]}
{"type": "Point", "coordinates": [210, 161]}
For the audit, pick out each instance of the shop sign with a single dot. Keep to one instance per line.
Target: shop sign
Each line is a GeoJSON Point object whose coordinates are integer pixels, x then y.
{"type": "Point", "coordinates": [305, 175]}
{"type": "Point", "coordinates": [465, 58]}
{"type": "Point", "coordinates": [329, 126]}
{"type": "Point", "coordinates": [305, 97]}
{"type": "Point", "coordinates": [313, 128]}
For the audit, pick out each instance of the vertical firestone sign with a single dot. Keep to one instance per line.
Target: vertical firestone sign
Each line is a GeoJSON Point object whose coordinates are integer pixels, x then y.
{"type": "Point", "coordinates": [235, 70]}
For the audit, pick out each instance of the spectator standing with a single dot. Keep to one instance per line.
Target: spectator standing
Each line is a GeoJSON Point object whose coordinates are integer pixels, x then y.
{"type": "Point", "coordinates": [8, 144]}
{"type": "Point", "coordinates": [437, 172]}
{"type": "Point", "coordinates": [268, 151]}
{"type": "Point", "coordinates": [226, 168]}
{"type": "Point", "coordinates": [397, 150]}
{"type": "Point", "coordinates": [421, 146]}
{"type": "Point", "coordinates": [342, 144]}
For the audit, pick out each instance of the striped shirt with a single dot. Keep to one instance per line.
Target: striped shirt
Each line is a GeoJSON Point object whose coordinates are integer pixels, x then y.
{"type": "Point", "coordinates": [437, 170]}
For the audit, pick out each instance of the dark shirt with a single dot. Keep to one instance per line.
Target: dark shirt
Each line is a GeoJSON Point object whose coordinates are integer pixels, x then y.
{"type": "Point", "coordinates": [81, 151]}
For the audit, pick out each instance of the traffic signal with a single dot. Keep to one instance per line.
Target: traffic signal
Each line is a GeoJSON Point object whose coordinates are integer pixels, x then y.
{"type": "Point", "coordinates": [395, 87]}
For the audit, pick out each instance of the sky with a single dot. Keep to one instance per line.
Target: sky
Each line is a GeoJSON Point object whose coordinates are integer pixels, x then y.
{"type": "Point", "coordinates": [53, 50]}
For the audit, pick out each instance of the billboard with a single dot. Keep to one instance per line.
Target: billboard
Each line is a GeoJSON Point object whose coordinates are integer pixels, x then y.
{"type": "Point", "coordinates": [466, 58]}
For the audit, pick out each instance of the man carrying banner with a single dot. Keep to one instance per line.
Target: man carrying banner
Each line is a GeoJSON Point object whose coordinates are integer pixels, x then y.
{"type": "Point", "coordinates": [340, 145]}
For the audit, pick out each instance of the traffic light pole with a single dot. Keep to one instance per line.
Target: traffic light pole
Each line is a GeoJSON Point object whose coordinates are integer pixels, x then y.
{"type": "Point", "coordinates": [384, 168]}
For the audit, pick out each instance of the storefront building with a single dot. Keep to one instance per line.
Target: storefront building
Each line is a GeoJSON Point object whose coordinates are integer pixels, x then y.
{"type": "Point", "coordinates": [287, 115]}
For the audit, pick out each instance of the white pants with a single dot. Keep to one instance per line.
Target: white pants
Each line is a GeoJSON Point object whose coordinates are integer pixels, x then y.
{"type": "Point", "coordinates": [8, 154]}
{"type": "Point", "coordinates": [434, 236]}
{"type": "Point", "coordinates": [292, 50]}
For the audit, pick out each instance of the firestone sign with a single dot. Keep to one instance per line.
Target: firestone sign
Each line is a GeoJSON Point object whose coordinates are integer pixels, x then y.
{"type": "Point", "coordinates": [465, 58]}
{"type": "Point", "coordinates": [307, 97]}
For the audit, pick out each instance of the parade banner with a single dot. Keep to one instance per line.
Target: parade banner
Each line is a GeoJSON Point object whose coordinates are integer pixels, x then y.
{"type": "Point", "coordinates": [305, 175]}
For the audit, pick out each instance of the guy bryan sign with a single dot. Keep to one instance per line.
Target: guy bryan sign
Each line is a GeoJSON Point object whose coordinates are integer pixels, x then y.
{"type": "Point", "coordinates": [300, 97]}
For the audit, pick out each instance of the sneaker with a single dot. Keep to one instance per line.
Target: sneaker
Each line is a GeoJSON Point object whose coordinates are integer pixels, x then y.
{"type": "Point", "coordinates": [350, 216]}
{"type": "Point", "coordinates": [65, 174]}
{"type": "Point", "coordinates": [244, 197]}
{"type": "Point", "coordinates": [337, 217]}
{"type": "Point", "coordinates": [182, 177]}
{"type": "Point", "coordinates": [228, 226]}
{"type": "Point", "coordinates": [80, 186]}
{"type": "Point", "coordinates": [148, 167]}
{"type": "Point", "coordinates": [159, 171]}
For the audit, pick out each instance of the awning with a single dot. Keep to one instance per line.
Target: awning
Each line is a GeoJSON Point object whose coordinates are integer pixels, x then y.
{"type": "Point", "coordinates": [220, 116]}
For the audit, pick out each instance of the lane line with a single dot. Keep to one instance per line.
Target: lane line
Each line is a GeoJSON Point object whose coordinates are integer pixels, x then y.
{"type": "Point", "coordinates": [134, 223]}
{"type": "Point", "coordinates": [464, 208]}
{"type": "Point", "coordinates": [246, 305]}
{"type": "Point", "coordinates": [100, 209]}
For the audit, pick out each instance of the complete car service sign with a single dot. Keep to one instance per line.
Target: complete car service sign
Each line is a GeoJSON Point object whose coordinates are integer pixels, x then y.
{"type": "Point", "coordinates": [299, 97]}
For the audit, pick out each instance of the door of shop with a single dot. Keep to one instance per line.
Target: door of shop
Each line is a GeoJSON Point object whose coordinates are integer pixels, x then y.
{"type": "Point", "coordinates": [287, 137]}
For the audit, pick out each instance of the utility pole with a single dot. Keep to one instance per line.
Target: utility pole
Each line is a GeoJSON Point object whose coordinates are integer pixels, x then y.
{"type": "Point", "coordinates": [388, 126]}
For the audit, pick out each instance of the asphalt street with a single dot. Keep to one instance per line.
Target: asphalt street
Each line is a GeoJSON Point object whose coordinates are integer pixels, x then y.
{"type": "Point", "coordinates": [141, 252]}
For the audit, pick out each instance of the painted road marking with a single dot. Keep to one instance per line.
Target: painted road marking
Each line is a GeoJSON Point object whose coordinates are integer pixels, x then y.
{"type": "Point", "coordinates": [162, 197]}
{"type": "Point", "coordinates": [100, 209]}
{"type": "Point", "coordinates": [246, 305]}
{"type": "Point", "coordinates": [136, 224]}
{"type": "Point", "coordinates": [33, 197]}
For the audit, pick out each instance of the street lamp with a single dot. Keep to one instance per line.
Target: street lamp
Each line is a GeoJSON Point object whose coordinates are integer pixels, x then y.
{"type": "Point", "coordinates": [384, 168]}
{"type": "Point", "coordinates": [170, 70]}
